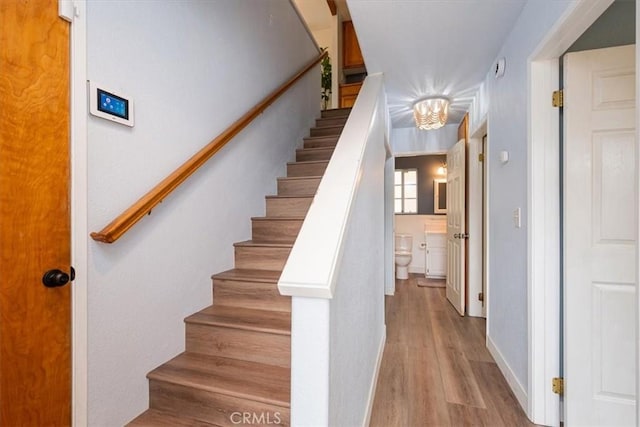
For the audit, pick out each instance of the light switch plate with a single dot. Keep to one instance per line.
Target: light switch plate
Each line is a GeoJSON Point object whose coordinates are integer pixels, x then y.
{"type": "Point", "coordinates": [516, 218]}
{"type": "Point", "coordinates": [504, 156]}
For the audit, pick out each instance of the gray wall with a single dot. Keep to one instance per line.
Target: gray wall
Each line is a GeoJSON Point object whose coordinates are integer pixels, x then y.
{"type": "Point", "coordinates": [427, 167]}
{"type": "Point", "coordinates": [615, 27]}
{"type": "Point", "coordinates": [192, 68]}
{"type": "Point", "coordinates": [507, 327]}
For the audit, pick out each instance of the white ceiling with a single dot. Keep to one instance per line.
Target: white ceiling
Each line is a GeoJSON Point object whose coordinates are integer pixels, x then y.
{"type": "Point", "coordinates": [431, 47]}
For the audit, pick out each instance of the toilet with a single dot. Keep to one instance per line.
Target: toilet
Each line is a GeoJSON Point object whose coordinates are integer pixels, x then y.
{"type": "Point", "coordinates": [403, 255]}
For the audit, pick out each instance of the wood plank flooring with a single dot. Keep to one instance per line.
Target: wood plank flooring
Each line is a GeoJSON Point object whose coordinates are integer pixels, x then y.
{"type": "Point", "coordinates": [436, 370]}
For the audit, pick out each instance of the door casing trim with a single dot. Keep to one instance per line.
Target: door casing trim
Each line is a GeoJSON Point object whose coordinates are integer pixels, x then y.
{"type": "Point", "coordinates": [79, 215]}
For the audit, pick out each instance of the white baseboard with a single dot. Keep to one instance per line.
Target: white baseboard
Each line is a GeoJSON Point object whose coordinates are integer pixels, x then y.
{"type": "Point", "coordinates": [374, 382]}
{"type": "Point", "coordinates": [390, 288]}
{"type": "Point", "coordinates": [512, 380]}
{"type": "Point", "coordinates": [418, 269]}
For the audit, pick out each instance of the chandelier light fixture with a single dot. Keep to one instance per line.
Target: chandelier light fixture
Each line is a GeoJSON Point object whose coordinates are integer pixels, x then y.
{"type": "Point", "coordinates": [431, 113]}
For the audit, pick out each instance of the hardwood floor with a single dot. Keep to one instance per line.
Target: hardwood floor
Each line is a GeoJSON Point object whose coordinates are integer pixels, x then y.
{"type": "Point", "coordinates": [436, 370]}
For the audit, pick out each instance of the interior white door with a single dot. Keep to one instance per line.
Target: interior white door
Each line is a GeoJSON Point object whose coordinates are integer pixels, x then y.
{"type": "Point", "coordinates": [600, 228]}
{"type": "Point", "coordinates": [456, 226]}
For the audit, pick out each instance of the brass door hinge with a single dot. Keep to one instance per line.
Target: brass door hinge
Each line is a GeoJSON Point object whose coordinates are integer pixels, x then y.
{"type": "Point", "coordinates": [481, 296]}
{"type": "Point", "coordinates": [481, 157]}
{"type": "Point", "coordinates": [557, 100]}
{"type": "Point", "coordinates": [557, 385]}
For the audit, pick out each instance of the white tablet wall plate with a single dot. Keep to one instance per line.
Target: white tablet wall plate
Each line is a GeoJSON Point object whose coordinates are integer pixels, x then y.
{"type": "Point", "coordinates": [110, 105]}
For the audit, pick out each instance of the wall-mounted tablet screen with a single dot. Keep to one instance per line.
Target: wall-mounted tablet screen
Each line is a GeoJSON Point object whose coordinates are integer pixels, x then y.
{"type": "Point", "coordinates": [112, 104]}
{"type": "Point", "coordinates": [109, 104]}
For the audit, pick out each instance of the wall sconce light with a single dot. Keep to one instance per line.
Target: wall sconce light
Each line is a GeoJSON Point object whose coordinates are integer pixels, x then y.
{"type": "Point", "coordinates": [431, 113]}
{"type": "Point", "coordinates": [442, 170]}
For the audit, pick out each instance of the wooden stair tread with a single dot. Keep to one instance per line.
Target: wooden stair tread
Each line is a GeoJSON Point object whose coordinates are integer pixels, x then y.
{"type": "Point", "coordinates": [249, 319]}
{"type": "Point", "coordinates": [156, 418]}
{"type": "Point", "coordinates": [333, 138]}
{"type": "Point", "coordinates": [314, 153]}
{"type": "Point", "coordinates": [331, 121]}
{"type": "Point", "coordinates": [263, 244]}
{"type": "Point", "coordinates": [298, 185]}
{"type": "Point", "coordinates": [293, 178]}
{"type": "Point", "coordinates": [249, 275]}
{"type": "Point", "coordinates": [321, 142]}
{"type": "Point", "coordinates": [307, 162]}
{"type": "Point", "coordinates": [276, 196]}
{"type": "Point", "coordinates": [316, 150]}
{"type": "Point", "coordinates": [334, 127]}
{"type": "Point", "coordinates": [277, 218]}
{"type": "Point", "coordinates": [238, 378]}
{"type": "Point", "coordinates": [336, 112]}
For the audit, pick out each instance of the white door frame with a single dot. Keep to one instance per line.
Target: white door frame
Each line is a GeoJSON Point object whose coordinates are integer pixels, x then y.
{"type": "Point", "coordinates": [544, 210]}
{"type": "Point", "coordinates": [638, 216]}
{"type": "Point", "coordinates": [79, 216]}
{"type": "Point", "coordinates": [389, 224]}
{"type": "Point", "coordinates": [476, 220]}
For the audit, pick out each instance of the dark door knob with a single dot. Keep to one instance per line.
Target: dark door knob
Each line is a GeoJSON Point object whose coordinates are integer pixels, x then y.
{"type": "Point", "coordinates": [54, 278]}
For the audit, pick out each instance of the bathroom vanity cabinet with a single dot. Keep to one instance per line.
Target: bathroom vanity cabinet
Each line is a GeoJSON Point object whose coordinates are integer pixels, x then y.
{"type": "Point", "coordinates": [436, 255]}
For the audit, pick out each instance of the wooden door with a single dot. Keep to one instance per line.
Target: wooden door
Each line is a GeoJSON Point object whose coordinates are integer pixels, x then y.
{"type": "Point", "coordinates": [349, 94]}
{"type": "Point", "coordinates": [600, 223]}
{"type": "Point", "coordinates": [456, 226]}
{"type": "Point", "coordinates": [352, 56]}
{"type": "Point", "coordinates": [35, 321]}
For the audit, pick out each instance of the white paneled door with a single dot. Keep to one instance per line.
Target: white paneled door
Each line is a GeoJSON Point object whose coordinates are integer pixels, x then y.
{"type": "Point", "coordinates": [600, 237]}
{"type": "Point", "coordinates": [456, 226]}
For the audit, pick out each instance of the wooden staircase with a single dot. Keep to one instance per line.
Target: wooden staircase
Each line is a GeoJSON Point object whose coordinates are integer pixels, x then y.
{"type": "Point", "coordinates": [236, 367]}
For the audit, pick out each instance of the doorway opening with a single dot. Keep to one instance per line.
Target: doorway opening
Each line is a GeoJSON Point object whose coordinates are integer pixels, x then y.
{"type": "Point", "coordinates": [545, 251]}
{"type": "Point", "coordinates": [420, 214]}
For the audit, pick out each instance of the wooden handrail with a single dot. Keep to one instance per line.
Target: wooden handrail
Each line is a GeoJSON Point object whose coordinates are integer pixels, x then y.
{"type": "Point", "coordinates": [127, 219]}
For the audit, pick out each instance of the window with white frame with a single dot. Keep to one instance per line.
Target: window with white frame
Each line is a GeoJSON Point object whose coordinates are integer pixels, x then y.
{"type": "Point", "coordinates": [406, 191]}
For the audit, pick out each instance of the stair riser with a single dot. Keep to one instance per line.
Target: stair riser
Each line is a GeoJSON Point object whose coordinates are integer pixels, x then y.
{"type": "Point", "coordinates": [298, 187]}
{"type": "Point", "coordinates": [153, 418]}
{"type": "Point", "coordinates": [306, 156]}
{"type": "Point", "coordinates": [306, 169]}
{"type": "Point", "coordinates": [321, 142]}
{"type": "Point", "coordinates": [257, 295]}
{"type": "Point", "coordinates": [213, 407]}
{"type": "Point", "coordinates": [325, 131]}
{"type": "Point", "coordinates": [336, 113]}
{"type": "Point", "coordinates": [261, 258]}
{"type": "Point", "coordinates": [331, 121]}
{"type": "Point", "coordinates": [252, 346]}
{"type": "Point", "coordinates": [298, 206]}
{"type": "Point", "coordinates": [275, 230]}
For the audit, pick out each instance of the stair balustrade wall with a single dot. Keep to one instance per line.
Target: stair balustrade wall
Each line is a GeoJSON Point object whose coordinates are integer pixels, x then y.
{"type": "Point", "coordinates": [336, 276]}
